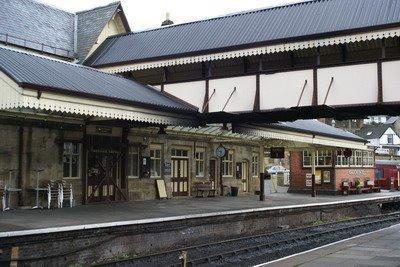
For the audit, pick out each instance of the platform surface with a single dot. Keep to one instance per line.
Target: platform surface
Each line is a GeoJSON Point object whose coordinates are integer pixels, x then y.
{"type": "Point", "coordinates": [381, 248]}
{"type": "Point", "coordinates": [171, 209]}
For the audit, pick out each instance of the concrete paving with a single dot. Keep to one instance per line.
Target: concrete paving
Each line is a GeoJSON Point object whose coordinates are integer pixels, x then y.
{"type": "Point", "coordinates": [16, 220]}
{"type": "Point", "coordinates": [380, 248]}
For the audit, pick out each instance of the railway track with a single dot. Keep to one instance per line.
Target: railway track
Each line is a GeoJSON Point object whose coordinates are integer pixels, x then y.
{"type": "Point", "coordinates": [253, 250]}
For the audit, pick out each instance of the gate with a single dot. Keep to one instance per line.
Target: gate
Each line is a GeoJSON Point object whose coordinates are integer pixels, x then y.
{"type": "Point", "coordinates": [104, 162]}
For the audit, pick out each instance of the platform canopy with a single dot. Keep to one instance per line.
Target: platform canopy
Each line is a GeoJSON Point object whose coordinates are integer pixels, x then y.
{"type": "Point", "coordinates": [306, 132]}
{"type": "Point", "coordinates": [31, 82]}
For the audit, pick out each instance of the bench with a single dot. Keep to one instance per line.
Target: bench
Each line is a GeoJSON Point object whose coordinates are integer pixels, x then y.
{"type": "Point", "coordinates": [201, 188]}
{"type": "Point", "coordinates": [371, 185]}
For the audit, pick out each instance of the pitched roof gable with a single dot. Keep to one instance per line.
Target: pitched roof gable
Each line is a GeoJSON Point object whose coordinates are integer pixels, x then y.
{"type": "Point", "coordinates": [372, 131]}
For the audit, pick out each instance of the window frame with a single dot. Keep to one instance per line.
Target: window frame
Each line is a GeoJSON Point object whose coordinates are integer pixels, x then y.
{"type": "Point", "coordinates": [138, 161]}
{"type": "Point", "coordinates": [200, 162]}
{"type": "Point", "coordinates": [71, 154]}
{"type": "Point", "coordinates": [228, 164]}
{"type": "Point", "coordinates": [154, 158]}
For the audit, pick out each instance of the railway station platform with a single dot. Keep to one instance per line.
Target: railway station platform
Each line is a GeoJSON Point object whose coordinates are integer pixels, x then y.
{"type": "Point", "coordinates": [137, 212]}
{"type": "Point", "coordinates": [379, 248]}
{"type": "Point", "coordinates": [144, 227]}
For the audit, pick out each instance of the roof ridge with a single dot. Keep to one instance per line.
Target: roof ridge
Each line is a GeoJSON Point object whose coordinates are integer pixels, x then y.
{"type": "Point", "coordinates": [51, 6]}
{"type": "Point", "coordinates": [240, 13]}
{"type": "Point", "coordinates": [98, 7]}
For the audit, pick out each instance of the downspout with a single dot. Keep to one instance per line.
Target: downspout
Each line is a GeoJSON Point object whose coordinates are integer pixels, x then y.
{"type": "Point", "coordinates": [20, 152]}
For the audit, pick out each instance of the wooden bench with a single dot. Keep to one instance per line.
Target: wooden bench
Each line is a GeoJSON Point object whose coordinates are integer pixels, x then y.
{"type": "Point", "coordinates": [201, 188]}
{"type": "Point", "coordinates": [372, 186]}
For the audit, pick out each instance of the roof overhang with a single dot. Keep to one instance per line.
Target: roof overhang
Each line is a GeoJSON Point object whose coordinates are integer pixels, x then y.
{"type": "Point", "coordinates": [306, 138]}
{"type": "Point", "coordinates": [172, 60]}
{"type": "Point", "coordinates": [17, 98]}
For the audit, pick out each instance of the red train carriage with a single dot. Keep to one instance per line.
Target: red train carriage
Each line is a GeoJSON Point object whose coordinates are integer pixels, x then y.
{"type": "Point", "coordinates": [387, 173]}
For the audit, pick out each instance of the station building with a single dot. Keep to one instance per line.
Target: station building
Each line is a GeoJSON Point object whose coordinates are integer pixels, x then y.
{"type": "Point", "coordinates": [96, 127]}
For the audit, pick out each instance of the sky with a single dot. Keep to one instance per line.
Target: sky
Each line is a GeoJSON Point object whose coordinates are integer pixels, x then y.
{"type": "Point", "coordinates": [147, 14]}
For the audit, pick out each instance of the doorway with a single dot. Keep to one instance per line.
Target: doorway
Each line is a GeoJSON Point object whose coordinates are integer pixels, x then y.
{"type": "Point", "coordinates": [104, 162]}
{"type": "Point", "coordinates": [213, 174]}
{"type": "Point", "coordinates": [245, 176]}
{"type": "Point", "coordinates": [180, 177]}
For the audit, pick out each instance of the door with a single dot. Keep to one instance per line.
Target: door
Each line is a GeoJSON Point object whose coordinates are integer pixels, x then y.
{"type": "Point", "coordinates": [180, 177]}
{"type": "Point", "coordinates": [213, 173]}
{"type": "Point", "coordinates": [245, 176]}
{"type": "Point", "coordinates": [104, 161]}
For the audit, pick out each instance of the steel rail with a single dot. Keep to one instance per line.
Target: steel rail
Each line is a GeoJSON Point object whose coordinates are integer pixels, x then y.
{"type": "Point", "coordinates": [381, 218]}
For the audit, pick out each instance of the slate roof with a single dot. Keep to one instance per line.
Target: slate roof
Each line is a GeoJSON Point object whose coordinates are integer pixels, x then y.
{"type": "Point", "coordinates": [29, 23]}
{"type": "Point", "coordinates": [39, 24]}
{"type": "Point", "coordinates": [373, 131]}
{"type": "Point", "coordinates": [315, 127]}
{"type": "Point", "coordinates": [91, 23]}
{"type": "Point", "coordinates": [298, 21]}
{"type": "Point", "coordinates": [32, 71]}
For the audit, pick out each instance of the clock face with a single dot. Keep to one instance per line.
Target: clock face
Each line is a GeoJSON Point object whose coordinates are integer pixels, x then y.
{"type": "Point", "coordinates": [221, 151]}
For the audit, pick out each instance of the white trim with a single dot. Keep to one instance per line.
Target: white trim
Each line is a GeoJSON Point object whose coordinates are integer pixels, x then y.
{"type": "Point", "coordinates": [15, 97]}
{"type": "Point", "coordinates": [184, 217]}
{"type": "Point", "coordinates": [373, 35]}
{"type": "Point", "coordinates": [300, 137]}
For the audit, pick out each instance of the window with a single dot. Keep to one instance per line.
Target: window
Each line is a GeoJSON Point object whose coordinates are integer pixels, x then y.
{"type": "Point", "coordinates": [368, 158]}
{"type": "Point", "coordinates": [155, 162]}
{"type": "Point", "coordinates": [199, 156]}
{"type": "Point", "coordinates": [390, 139]}
{"type": "Point", "coordinates": [306, 158]}
{"type": "Point", "coordinates": [341, 160]}
{"type": "Point", "coordinates": [322, 158]}
{"type": "Point", "coordinates": [227, 164]}
{"type": "Point", "coordinates": [254, 165]}
{"type": "Point", "coordinates": [359, 158]}
{"type": "Point", "coordinates": [71, 160]}
{"type": "Point", "coordinates": [179, 153]}
{"type": "Point", "coordinates": [133, 162]}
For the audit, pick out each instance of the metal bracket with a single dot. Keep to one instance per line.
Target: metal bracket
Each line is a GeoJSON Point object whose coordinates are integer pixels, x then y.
{"type": "Point", "coordinates": [329, 89]}
{"type": "Point", "coordinates": [208, 102]}
{"type": "Point", "coordinates": [229, 98]}
{"type": "Point", "coordinates": [302, 92]}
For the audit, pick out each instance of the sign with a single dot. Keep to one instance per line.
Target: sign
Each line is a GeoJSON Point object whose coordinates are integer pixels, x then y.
{"type": "Point", "coordinates": [357, 172]}
{"type": "Point", "coordinates": [308, 179]}
{"type": "Point", "coordinates": [220, 151]}
{"type": "Point", "coordinates": [327, 177]}
{"type": "Point", "coordinates": [104, 130]}
{"type": "Point", "coordinates": [167, 168]}
{"type": "Point", "coordinates": [277, 153]}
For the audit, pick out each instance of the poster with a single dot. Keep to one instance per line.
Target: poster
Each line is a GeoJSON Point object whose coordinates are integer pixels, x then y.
{"type": "Point", "coordinates": [327, 177]}
{"type": "Point", "coordinates": [308, 179]}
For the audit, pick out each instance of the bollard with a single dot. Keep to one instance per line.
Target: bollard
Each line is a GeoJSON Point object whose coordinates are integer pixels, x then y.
{"type": "Point", "coordinates": [183, 258]}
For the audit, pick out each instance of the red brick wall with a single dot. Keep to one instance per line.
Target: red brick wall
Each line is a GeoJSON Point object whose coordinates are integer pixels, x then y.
{"type": "Point", "coordinates": [351, 174]}
{"type": "Point", "coordinates": [298, 174]}
{"type": "Point", "coordinates": [338, 174]}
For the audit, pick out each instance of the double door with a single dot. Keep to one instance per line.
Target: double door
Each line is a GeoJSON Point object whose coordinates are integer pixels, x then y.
{"type": "Point", "coordinates": [180, 176]}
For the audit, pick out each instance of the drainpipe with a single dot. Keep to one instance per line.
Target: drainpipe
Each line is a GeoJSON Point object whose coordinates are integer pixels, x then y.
{"type": "Point", "coordinates": [313, 173]}
{"type": "Point", "coordinates": [20, 151]}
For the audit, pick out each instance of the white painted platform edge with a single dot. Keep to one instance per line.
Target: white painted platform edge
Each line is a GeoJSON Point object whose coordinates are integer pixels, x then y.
{"type": "Point", "coordinates": [324, 246]}
{"type": "Point", "coordinates": [175, 218]}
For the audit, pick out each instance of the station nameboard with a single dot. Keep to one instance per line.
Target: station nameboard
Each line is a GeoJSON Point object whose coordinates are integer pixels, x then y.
{"type": "Point", "coordinates": [277, 153]}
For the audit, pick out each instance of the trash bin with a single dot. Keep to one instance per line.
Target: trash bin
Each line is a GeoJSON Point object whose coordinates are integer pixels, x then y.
{"type": "Point", "coordinates": [234, 191]}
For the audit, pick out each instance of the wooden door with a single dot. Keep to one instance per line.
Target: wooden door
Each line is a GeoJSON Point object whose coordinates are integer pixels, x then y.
{"type": "Point", "coordinates": [180, 177]}
{"type": "Point", "coordinates": [213, 173]}
{"type": "Point", "coordinates": [104, 158]}
{"type": "Point", "coordinates": [245, 176]}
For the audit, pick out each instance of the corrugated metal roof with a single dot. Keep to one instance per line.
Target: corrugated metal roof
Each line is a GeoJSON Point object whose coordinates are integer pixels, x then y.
{"type": "Point", "coordinates": [35, 71]}
{"type": "Point", "coordinates": [315, 127]}
{"type": "Point", "coordinates": [271, 25]}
